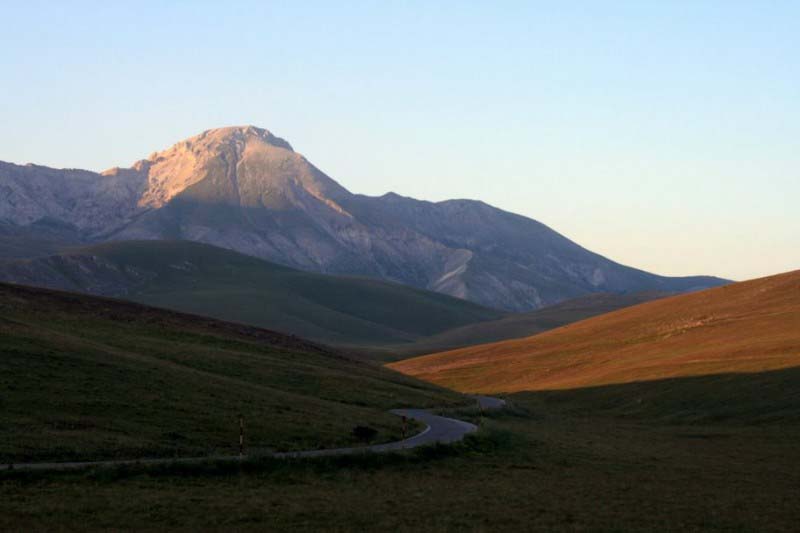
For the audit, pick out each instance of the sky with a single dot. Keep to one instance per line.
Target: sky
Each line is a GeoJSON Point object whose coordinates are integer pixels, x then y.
{"type": "Point", "coordinates": [663, 135]}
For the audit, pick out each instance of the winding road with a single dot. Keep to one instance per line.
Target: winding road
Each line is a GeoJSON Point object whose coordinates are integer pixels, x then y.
{"type": "Point", "coordinates": [438, 429]}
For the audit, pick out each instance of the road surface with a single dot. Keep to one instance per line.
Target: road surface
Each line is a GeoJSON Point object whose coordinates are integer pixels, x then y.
{"type": "Point", "coordinates": [438, 429]}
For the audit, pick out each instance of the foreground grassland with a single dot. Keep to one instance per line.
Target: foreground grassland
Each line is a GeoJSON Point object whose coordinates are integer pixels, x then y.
{"type": "Point", "coordinates": [560, 461]}
{"type": "Point", "coordinates": [711, 452]}
{"type": "Point", "coordinates": [85, 378]}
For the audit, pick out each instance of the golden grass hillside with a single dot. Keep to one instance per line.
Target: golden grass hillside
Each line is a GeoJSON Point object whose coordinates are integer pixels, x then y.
{"type": "Point", "coordinates": [746, 327]}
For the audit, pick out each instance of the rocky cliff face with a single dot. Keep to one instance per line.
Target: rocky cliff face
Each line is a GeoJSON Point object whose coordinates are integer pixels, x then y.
{"type": "Point", "coordinates": [245, 189]}
{"type": "Point", "coordinates": [89, 202]}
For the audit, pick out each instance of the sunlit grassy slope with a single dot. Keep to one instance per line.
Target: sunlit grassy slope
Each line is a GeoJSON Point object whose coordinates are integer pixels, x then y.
{"type": "Point", "coordinates": [85, 378]}
{"type": "Point", "coordinates": [518, 325]}
{"type": "Point", "coordinates": [746, 327]}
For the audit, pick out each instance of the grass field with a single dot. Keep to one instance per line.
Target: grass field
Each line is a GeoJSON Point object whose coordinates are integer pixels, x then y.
{"type": "Point", "coordinates": [88, 378]}
{"type": "Point", "coordinates": [746, 327]}
{"type": "Point", "coordinates": [559, 460]}
{"type": "Point", "coordinates": [716, 451]}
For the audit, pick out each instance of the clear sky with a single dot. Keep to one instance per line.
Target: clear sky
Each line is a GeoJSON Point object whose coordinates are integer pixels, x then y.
{"type": "Point", "coordinates": [662, 134]}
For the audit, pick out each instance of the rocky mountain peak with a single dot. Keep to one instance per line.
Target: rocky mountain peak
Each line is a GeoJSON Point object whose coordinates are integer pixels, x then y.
{"type": "Point", "coordinates": [211, 142]}
{"type": "Point", "coordinates": [238, 134]}
{"type": "Point", "coordinates": [188, 162]}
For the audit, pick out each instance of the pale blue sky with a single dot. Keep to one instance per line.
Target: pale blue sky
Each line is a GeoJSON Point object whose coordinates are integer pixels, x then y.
{"type": "Point", "coordinates": [663, 134]}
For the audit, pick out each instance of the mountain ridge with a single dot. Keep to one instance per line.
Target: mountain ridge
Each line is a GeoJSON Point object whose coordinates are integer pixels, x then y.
{"type": "Point", "coordinates": [245, 189]}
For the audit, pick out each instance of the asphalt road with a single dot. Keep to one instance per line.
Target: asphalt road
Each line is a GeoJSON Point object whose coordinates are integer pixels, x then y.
{"type": "Point", "coordinates": [438, 429]}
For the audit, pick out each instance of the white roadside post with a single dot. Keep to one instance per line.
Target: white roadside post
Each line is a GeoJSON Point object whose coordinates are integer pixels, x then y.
{"type": "Point", "coordinates": [241, 437]}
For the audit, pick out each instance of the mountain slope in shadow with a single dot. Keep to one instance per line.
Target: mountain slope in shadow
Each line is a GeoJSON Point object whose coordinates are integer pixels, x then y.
{"type": "Point", "coordinates": [210, 281]}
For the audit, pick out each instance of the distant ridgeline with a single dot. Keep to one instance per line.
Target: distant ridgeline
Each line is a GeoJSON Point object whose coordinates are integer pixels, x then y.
{"type": "Point", "coordinates": [244, 189]}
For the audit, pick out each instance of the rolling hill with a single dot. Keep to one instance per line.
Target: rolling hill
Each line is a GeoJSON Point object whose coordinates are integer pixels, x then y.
{"type": "Point", "coordinates": [245, 189]}
{"type": "Point", "coordinates": [86, 378]}
{"type": "Point", "coordinates": [751, 328]}
{"type": "Point", "coordinates": [210, 281]}
{"type": "Point", "coordinates": [517, 325]}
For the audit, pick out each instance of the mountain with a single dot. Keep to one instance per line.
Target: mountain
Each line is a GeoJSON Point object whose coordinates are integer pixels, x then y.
{"type": "Point", "coordinates": [45, 236]}
{"type": "Point", "coordinates": [244, 189]}
{"type": "Point", "coordinates": [210, 281]}
{"type": "Point", "coordinates": [82, 202]}
{"type": "Point", "coordinates": [747, 327]}
{"type": "Point", "coordinates": [88, 378]}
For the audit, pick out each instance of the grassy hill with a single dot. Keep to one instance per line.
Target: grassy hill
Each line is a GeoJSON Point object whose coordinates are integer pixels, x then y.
{"type": "Point", "coordinates": [83, 377]}
{"type": "Point", "coordinates": [748, 327]}
{"type": "Point", "coordinates": [519, 325]}
{"type": "Point", "coordinates": [210, 281]}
